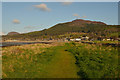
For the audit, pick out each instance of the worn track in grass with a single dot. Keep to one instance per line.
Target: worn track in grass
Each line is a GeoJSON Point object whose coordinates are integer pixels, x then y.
{"type": "Point", "coordinates": [63, 65]}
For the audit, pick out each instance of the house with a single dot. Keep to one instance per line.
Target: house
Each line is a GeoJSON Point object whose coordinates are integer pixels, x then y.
{"type": "Point", "coordinates": [103, 39]}
{"type": "Point", "coordinates": [118, 39]}
{"type": "Point", "coordinates": [15, 40]}
{"type": "Point", "coordinates": [72, 39]}
{"type": "Point", "coordinates": [78, 39]}
{"type": "Point", "coordinates": [85, 38]}
{"type": "Point", "coordinates": [108, 39]}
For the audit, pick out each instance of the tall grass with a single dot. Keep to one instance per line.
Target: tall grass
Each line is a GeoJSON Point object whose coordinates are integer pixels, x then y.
{"type": "Point", "coordinates": [95, 61]}
{"type": "Point", "coordinates": [26, 61]}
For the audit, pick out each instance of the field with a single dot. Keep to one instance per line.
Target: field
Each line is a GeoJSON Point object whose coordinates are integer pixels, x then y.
{"type": "Point", "coordinates": [60, 60]}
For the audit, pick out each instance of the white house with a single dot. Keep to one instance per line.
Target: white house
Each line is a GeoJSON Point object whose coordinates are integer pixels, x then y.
{"type": "Point", "coordinates": [108, 39]}
{"type": "Point", "coordinates": [72, 39]}
{"type": "Point", "coordinates": [77, 39]}
{"type": "Point", "coordinates": [85, 38]}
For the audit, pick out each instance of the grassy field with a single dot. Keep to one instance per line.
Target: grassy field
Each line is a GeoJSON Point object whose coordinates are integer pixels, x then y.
{"type": "Point", "coordinates": [60, 60]}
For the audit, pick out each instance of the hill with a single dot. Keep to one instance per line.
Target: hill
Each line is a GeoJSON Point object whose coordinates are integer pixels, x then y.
{"type": "Point", "coordinates": [13, 33]}
{"type": "Point", "coordinates": [93, 29]}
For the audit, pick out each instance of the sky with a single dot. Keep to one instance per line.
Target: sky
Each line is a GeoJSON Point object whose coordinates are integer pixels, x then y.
{"type": "Point", "coordinates": [25, 17]}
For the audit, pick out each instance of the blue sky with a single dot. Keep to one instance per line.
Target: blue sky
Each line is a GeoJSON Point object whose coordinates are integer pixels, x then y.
{"type": "Point", "coordinates": [34, 16]}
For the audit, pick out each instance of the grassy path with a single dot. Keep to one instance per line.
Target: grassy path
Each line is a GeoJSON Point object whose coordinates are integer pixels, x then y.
{"type": "Point", "coordinates": [32, 61]}
{"type": "Point", "coordinates": [63, 65]}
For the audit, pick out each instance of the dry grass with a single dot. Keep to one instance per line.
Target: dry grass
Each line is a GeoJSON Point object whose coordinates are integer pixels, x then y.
{"type": "Point", "coordinates": [23, 57]}
{"type": "Point", "coordinates": [36, 48]}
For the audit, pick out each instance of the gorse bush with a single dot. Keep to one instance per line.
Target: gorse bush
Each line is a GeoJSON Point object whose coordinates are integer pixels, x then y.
{"type": "Point", "coordinates": [95, 61]}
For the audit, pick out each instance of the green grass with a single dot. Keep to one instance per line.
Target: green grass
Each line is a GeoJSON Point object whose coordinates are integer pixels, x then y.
{"type": "Point", "coordinates": [95, 61]}
{"type": "Point", "coordinates": [114, 34]}
{"type": "Point", "coordinates": [69, 60]}
{"type": "Point", "coordinates": [62, 65]}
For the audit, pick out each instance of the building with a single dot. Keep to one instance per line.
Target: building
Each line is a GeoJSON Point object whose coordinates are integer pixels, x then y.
{"type": "Point", "coordinates": [78, 39]}
{"type": "Point", "coordinates": [85, 38]}
{"type": "Point", "coordinates": [72, 39]}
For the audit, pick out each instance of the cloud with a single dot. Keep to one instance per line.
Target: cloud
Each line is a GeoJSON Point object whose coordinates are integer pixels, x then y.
{"type": "Point", "coordinates": [78, 16]}
{"type": "Point", "coordinates": [66, 3]}
{"type": "Point", "coordinates": [2, 33]}
{"type": "Point", "coordinates": [42, 7]}
{"type": "Point", "coordinates": [16, 21]}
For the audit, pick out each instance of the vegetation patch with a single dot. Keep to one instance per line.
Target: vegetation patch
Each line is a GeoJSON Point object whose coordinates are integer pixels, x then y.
{"type": "Point", "coordinates": [95, 61]}
{"type": "Point", "coordinates": [26, 61]}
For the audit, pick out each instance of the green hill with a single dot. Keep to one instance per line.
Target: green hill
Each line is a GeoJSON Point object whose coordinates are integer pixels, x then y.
{"type": "Point", "coordinates": [93, 29]}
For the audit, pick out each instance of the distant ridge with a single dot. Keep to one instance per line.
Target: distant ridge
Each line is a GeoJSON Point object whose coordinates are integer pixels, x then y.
{"type": "Point", "coordinates": [93, 29]}
{"type": "Point", "coordinates": [13, 33]}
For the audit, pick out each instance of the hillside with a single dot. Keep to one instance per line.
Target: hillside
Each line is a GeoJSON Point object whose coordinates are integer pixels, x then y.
{"type": "Point", "coordinates": [93, 29]}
